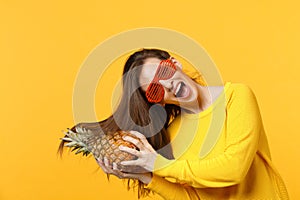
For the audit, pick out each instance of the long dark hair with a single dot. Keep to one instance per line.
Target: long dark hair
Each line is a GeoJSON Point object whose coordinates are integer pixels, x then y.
{"type": "Point", "coordinates": [134, 112]}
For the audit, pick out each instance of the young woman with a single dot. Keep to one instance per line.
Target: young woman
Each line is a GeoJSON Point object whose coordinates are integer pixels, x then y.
{"type": "Point", "coordinates": [172, 114]}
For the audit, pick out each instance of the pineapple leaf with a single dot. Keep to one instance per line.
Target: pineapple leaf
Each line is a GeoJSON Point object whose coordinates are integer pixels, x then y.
{"type": "Point", "coordinates": [80, 150]}
{"type": "Point", "coordinates": [71, 144]}
{"type": "Point", "coordinates": [75, 148]}
{"type": "Point", "coordinates": [67, 139]}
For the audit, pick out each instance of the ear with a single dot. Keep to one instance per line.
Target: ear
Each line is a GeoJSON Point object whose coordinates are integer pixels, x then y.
{"type": "Point", "coordinates": [176, 62]}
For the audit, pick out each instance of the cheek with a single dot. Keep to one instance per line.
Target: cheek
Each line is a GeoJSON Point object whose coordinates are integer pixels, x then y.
{"type": "Point", "coordinates": [144, 88]}
{"type": "Point", "coordinates": [169, 97]}
{"type": "Point", "coordinates": [144, 84]}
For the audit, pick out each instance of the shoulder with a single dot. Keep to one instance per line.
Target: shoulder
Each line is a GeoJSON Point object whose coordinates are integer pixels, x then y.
{"type": "Point", "coordinates": [239, 92]}
{"type": "Point", "coordinates": [240, 87]}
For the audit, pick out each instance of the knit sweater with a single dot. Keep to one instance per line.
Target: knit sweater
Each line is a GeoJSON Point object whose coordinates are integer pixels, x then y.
{"type": "Point", "coordinates": [220, 153]}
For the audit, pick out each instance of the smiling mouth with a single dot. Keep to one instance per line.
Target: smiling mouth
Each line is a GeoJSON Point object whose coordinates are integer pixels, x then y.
{"type": "Point", "coordinates": [182, 90]}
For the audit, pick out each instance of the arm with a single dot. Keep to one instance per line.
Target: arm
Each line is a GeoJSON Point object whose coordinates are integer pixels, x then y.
{"type": "Point", "coordinates": [159, 185]}
{"type": "Point", "coordinates": [171, 191]}
{"type": "Point", "coordinates": [244, 125]}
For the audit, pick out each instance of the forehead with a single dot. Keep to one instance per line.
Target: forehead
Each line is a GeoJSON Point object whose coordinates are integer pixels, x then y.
{"type": "Point", "coordinates": [148, 70]}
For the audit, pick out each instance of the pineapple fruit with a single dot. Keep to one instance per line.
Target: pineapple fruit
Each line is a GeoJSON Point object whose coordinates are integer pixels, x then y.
{"type": "Point", "coordinates": [101, 145]}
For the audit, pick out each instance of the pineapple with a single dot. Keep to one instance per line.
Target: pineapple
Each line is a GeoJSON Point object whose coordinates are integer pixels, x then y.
{"type": "Point", "coordinates": [101, 145]}
{"type": "Point", "coordinates": [88, 138]}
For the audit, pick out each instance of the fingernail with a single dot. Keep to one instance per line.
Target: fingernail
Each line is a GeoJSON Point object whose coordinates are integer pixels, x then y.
{"type": "Point", "coordinates": [115, 167]}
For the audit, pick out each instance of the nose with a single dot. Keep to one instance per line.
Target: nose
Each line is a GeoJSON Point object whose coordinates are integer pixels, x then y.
{"type": "Point", "coordinates": [168, 84]}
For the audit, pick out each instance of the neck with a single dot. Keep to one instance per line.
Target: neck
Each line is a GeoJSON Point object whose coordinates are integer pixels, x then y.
{"type": "Point", "coordinates": [204, 97]}
{"type": "Point", "coordinates": [204, 100]}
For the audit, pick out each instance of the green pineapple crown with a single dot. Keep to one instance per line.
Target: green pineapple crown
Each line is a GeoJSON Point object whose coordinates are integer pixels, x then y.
{"type": "Point", "coordinates": [78, 140]}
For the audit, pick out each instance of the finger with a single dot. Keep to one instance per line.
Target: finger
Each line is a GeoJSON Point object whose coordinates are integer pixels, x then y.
{"type": "Point", "coordinates": [130, 162]}
{"type": "Point", "coordinates": [115, 167]}
{"type": "Point", "coordinates": [142, 138]}
{"type": "Point", "coordinates": [121, 174]}
{"type": "Point", "coordinates": [137, 134]}
{"type": "Point", "coordinates": [134, 141]}
{"type": "Point", "coordinates": [129, 175]}
{"type": "Point", "coordinates": [101, 164]}
{"type": "Point", "coordinates": [130, 150]}
{"type": "Point", "coordinates": [118, 173]}
{"type": "Point", "coordinates": [104, 169]}
{"type": "Point", "coordinates": [106, 163]}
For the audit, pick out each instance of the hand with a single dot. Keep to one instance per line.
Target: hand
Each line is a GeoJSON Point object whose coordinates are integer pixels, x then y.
{"type": "Point", "coordinates": [145, 156]}
{"type": "Point", "coordinates": [113, 169]}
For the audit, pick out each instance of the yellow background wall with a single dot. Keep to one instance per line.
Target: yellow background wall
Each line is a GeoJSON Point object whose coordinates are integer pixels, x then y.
{"type": "Point", "coordinates": [43, 44]}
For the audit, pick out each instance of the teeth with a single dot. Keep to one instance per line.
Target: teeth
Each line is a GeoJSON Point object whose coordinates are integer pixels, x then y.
{"type": "Point", "coordinates": [178, 88]}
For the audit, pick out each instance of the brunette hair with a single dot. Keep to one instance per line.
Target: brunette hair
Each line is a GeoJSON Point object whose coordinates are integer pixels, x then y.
{"type": "Point", "coordinates": [134, 112]}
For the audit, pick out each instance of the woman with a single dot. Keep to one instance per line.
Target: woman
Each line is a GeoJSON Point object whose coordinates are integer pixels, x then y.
{"type": "Point", "coordinates": [161, 104]}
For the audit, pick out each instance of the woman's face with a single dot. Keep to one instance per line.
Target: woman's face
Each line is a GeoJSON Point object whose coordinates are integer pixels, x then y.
{"type": "Point", "coordinates": [180, 89]}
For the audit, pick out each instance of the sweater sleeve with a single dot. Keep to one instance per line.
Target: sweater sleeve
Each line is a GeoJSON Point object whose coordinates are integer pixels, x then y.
{"type": "Point", "coordinates": [243, 127]}
{"type": "Point", "coordinates": [171, 191]}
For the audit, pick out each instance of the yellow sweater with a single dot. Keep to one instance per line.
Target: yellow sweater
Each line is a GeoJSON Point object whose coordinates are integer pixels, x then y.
{"type": "Point", "coordinates": [220, 153]}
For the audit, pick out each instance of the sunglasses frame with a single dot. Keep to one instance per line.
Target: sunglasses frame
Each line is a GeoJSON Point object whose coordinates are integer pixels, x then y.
{"type": "Point", "coordinates": [155, 91]}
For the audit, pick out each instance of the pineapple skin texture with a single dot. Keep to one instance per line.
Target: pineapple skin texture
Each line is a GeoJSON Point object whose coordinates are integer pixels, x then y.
{"type": "Point", "coordinates": [102, 145]}
{"type": "Point", "coordinates": [108, 146]}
